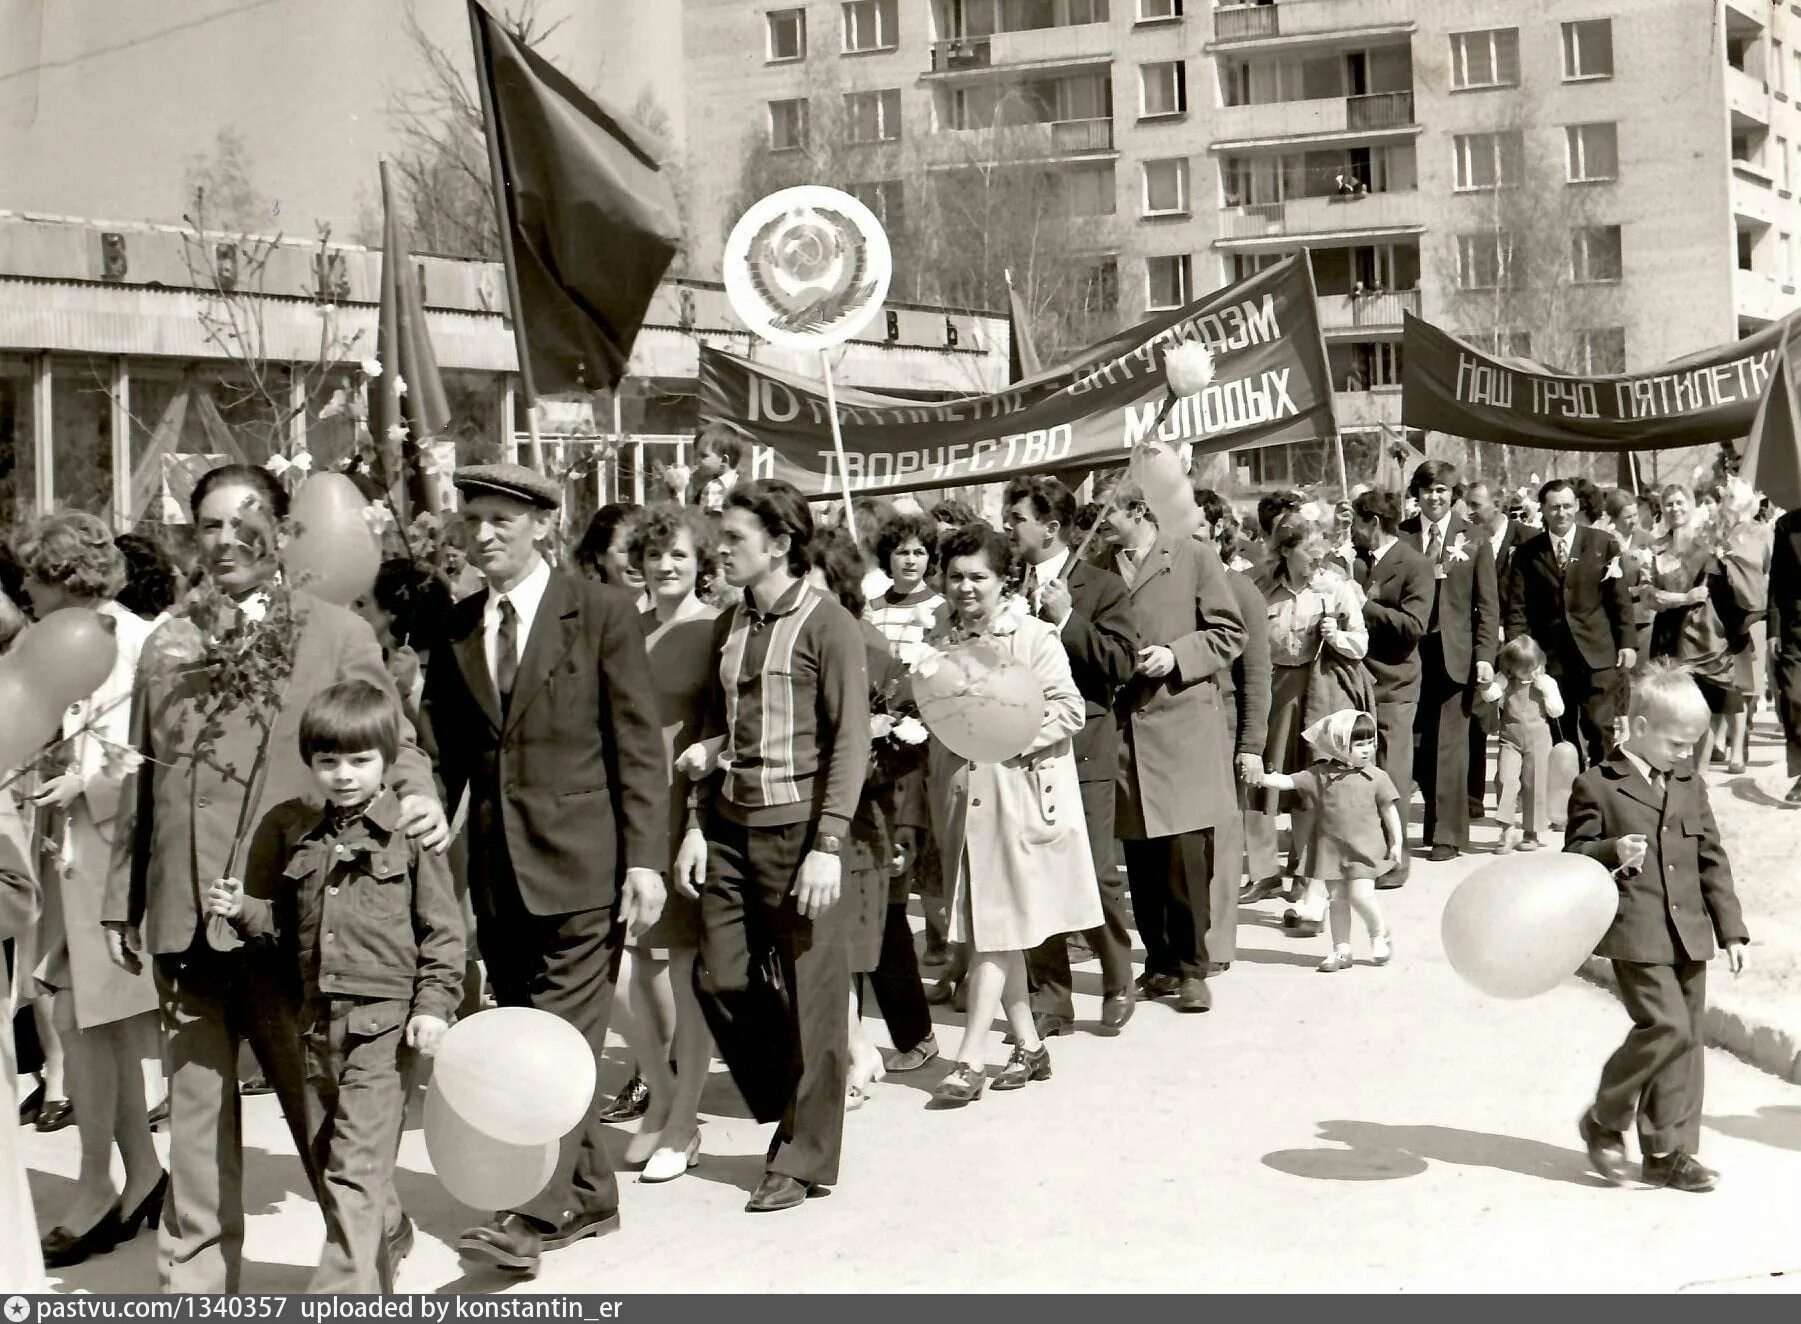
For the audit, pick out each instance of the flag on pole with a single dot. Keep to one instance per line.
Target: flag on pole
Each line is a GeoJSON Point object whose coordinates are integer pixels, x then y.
{"type": "Point", "coordinates": [407, 404]}
{"type": "Point", "coordinates": [1772, 462]}
{"type": "Point", "coordinates": [588, 220]}
{"type": "Point", "coordinates": [1022, 354]}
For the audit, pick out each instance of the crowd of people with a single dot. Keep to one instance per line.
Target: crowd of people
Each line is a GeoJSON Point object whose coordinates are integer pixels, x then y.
{"type": "Point", "coordinates": [674, 783]}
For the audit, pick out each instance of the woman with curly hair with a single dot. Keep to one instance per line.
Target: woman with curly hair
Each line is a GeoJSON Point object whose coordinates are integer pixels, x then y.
{"type": "Point", "coordinates": [101, 1013]}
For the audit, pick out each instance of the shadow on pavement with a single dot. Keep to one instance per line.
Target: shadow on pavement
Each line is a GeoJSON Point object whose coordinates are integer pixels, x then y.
{"type": "Point", "coordinates": [1377, 1152]}
{"type": "Point", "coordinates": [1747, 789]}
{"type": "Point", "coordinates": [1778, 1126]}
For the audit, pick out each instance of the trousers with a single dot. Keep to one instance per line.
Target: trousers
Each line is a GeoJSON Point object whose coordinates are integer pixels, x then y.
{"type": "Point", "coordinates": [1655, 1078]}
{"type": "Point", "coordinates": [1394, 752]}
{"type": "Point", "coordinates": [1171, 880]}
{"type": "Point", "coordinates": [1524, 768]}
{"type": "Point", "coordinates": [1442, 725]}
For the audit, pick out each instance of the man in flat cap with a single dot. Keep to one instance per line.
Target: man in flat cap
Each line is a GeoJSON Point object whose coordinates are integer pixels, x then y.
{"type": "Point", "coordinates": [542, 709]}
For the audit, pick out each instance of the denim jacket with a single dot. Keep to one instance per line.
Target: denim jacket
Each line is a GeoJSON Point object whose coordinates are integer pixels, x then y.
{"type": "Point", "coordinates": [367, 913]}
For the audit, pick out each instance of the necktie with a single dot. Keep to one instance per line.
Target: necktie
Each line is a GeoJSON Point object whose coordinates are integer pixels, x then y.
{"type": "Point", "coordinates": [1562, 551]}
{"type": "Point", "coordinates": [506, 660]}
{"type": "Point", "coordinates": [1032, 585]}
{"type": "Point", "coordinates": [1435, 549]}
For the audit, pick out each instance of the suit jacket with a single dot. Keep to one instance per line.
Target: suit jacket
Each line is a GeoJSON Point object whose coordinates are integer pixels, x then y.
{"type": "Point", "coordinates": [178, 819]}
{"type": "Point", "coordinates": [1177, 774]}
{"type": "Point", "coordinates": [1466, 609]}
{"type": "Point", "coordinates": [1101, 638]}
{"type": "Point", "coordinates": [570, 788]}
{"type": "Point", "coordinates": [1396, 608]}
{"type": "Point", "coordinates": [1681, 900]}
{"type": "Point", "coordinates": [1785, 583]}
{"type": "Point", "coordinates": [1247, 681]}
{"type": "Point", "coordinates": [1582, 608]}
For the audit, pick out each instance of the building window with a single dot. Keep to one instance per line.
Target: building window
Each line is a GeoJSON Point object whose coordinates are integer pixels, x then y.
{"type": "Point", "coordinates": [1595, 255]}
{"type": "Point", "coordinates": [1588, 49]}
{"type": "Point", "coordinates": [873, 117]}
{"type": "Point", "coordinates": [1485, 59]}
{"type": "Point", "coordinates": [1086, 191]}
{"type": "Point", "coordinates": [1787, 257]}
{"type": "Point", "coordinates": [887, 199]}
{"type": "Point", "coordinates": [787, 34]}
{"type": "Point", "coordinates": [1778, 70]}
{"type": "Point", "coordinates": [1167, 281]}
{"type": "Point", "coordinates": [1485, 261]}
{"type": "Point", "coordinates": [1166, 187]}
{"type": "Point", "coordinates": [1782, 165]}
{"type": "Point", "coordinates": [871, 25]}
{"type": "Point", "coordinates": [1100, 286]}
{"type": "Point", "coordinates": [1159, 11]}
{"type": "Point", "coordinates": [1165, 88]}
{"type": "Point", "coordinates": [1594, 152]}
{"type": "Point", "coordinates": [1601, 352]}
{"type": "Point", "coordinates": [1242, 266]}
{"type": "Point", "coordinates": [1505, 344]}
{"type": "Point", "coordinates": [1488, 160]}
{"type": "Point", "coordinates": [788, 125]}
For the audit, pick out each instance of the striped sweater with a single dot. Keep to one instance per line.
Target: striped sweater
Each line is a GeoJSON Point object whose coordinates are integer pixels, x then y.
{"type": "Point", "coordinates": [792, 700]}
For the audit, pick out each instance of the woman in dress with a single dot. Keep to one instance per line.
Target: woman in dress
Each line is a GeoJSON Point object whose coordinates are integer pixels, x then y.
{"type": "Point", "coordinates": [1702, 599]}
{"type": "Point", "coordinates": [102, 1015]}
{"type": "Point", "coordinates": [1317, 641]}
{"type": "Point", "coordinates": [1014, 833]}
{"type": "Point", "coordinates": [672, 550]}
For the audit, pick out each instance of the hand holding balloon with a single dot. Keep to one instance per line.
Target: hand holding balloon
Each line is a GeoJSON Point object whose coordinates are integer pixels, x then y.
{"type": "Point", "coordinates": [1632, 850]}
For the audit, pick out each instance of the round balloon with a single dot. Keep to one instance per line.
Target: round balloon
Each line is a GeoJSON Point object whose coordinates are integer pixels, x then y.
{"type": "Point", "coordinates": [482, 1172]}
{"type": "Point", "coordinates": [67, 655]}
{"type": "Point", "coordinates": [517, 1074]}
{"type": "Point", "coordinates": [980, 703]}
{"type": "Point", "coordinates": [30, 721]}
{"type": "Point", "coordinates": [1558, 781]}
{"type": "Point", "coordinates": [1520, 926]}
{"type": "Point", "coordinates": [333, 553]}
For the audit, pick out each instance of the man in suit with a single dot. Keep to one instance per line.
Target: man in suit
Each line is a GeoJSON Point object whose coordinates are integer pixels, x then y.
{"type": "Point", "coordinates": [1643, 813]}
{"type": "Point", "coordinates": [1093, 616]}
{"type": "Point", "coordinates": [1245, 688]}
{"type": "Point", "coordinates": [187, 823]}
{"type": "Point", "coordinates": [1398, 584]}
{"type": "Point", "coordinates": [1176, 778]}
{"type": "Point", "coordinates": [1490, 520]}
{"type": "Point", "coordinates": [1569, 591]}
{"type": "Point", "coordinates": [1457, 652]}
{"type": "Point", "coordinates": [540, 702]}
{"type": "Point", "coordinates": [1784, 624]}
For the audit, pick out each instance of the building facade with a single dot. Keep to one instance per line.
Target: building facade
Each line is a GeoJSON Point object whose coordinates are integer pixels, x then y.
{"type": "Point", "coordinates": [1601, 185]}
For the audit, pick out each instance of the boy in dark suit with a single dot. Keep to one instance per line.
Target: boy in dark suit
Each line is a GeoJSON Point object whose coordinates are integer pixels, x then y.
{"type": "Point", "coordinates": [1643, 812]}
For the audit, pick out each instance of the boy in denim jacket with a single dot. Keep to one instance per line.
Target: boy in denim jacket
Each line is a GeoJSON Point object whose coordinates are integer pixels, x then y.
{"type": "Point", "coordinates": [374, 926]}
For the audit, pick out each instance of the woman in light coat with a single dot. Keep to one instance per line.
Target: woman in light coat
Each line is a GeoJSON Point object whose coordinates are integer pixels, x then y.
{"type": "Point", "coordinates": [1013, 832]}
{"type": "Point", "coordinates": [102, 1014]}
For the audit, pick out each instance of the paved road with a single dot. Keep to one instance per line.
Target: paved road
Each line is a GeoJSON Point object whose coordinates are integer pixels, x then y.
{"type": "Point", "coordinates": [1378, 1130]}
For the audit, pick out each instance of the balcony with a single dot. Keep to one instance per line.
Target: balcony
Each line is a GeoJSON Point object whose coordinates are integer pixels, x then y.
{"type": "Point", "coordinates": [1294, 22]}
{"type": "Point", "coordinates": [1757, 11]}
{"type": "Point", "coordinates": [1366, 411]}
{"type": "Point", "coordinates": [1367, 214]}
{"type": "Point", "coordinates": [962, 55]}
{"type": "Point", "coordinates": [1382, 114]}
{"type": "Point", "coordinates": [1753, 194]}
{"type": "Point", "coordinates": [1349, 313]}
{"type": "Point", "coordinates": [1749, 99]}
{"type": "Point", "coordinates": [1758, 297]}
{"type": "Point", "coordinates": [1015, 143]}
{"type": "Point", "coordinates": [1035, 48]}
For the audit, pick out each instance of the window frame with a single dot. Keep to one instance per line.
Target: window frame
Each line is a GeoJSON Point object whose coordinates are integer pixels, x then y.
{"type": "Point", "coordinates": [1572, 136]}
{"type": "Point", "coordinates": [1582, 245]}
{"type": "Point", "coordinates": [770, 17]}
{"type": "Point", "coordinates": [1180, 65]}
{"type": "Point", "coordinates": [1460, 60]}
{"type": "Point", "coordinates": [1148, 20]}
{"type": "Point", "coordinates": [1185, 272]}
{"type": "Point", "coordinates": [883, 197]}
{"type": "Point", "coordinates": [1500, 158]}
{"type": "Point", "coordinates": [1572, 50]}
{"type": "Point", "coordinates": [1184, 187]}
{"type": "Point", "coordinates": [806, 124]}
{"type": "Point", "coordinates": [1495, 240]}
{"type": "Point", "coordinates": [886, 41]}
{"type": "Point", "coordinates": [880, 96]}
{"type": "Point", "coordinates": [1585, 341]}
{"type": "Point", "coordinates": [1101, 277]}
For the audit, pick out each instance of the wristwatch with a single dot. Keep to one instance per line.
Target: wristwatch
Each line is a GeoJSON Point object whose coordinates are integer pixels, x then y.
{"type": "Point", "coordinates": [827, 845]}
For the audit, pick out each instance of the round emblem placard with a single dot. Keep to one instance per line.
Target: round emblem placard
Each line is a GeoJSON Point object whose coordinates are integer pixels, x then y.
{"type": "Point", "coordinates": [808, 267]}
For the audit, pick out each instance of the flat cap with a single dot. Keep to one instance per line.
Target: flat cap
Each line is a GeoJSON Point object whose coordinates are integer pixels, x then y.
{"type": "Point", "coordinates": [510, 480]}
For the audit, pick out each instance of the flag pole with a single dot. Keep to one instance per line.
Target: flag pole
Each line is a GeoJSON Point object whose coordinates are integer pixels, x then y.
{"type": "Point", "coordinates": [831, 404]}
{"type": "Point", "coordinates": [1344, 481]}
{"type": "Point", "coordinates": [503, 219]}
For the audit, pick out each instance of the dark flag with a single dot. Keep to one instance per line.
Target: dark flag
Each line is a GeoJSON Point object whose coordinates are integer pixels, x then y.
{"type": "Point", "coordinates": [588, 220]}
{"type": "Point", "coordinates": [1772, 463]}
{"type": "Point", "coordinates": [404, 418]}
{"type": "Point", "coordinates": [1022, 354]}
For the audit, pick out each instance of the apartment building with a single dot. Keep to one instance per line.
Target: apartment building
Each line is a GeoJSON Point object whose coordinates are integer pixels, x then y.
{"type": "Point", "coordinates": [1601, 184]}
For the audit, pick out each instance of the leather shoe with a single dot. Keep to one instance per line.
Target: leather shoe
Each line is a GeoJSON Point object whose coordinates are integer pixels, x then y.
{"type": "Point", "coordinates": [398, 1242]}
{"type": "Point", "coordinates": [1047, 1023]}
{"type": "Point", "coordinates": [511, 1242]}
{"type": "Point", "coordinates": [1158, 986]}
{"type": "Point", "coordinates": [922, 1053]}
{"type": "Point", "coordinates": [1441, 854]}
{"type": "Point", "coordinates": [33, 1103]}
{"type": "Point", "coordinates": [630, 1103]}
{"type": "Point", "coordinates": [1023, 1067]}
{"type": "Point", "coordinates": [55, 1115]}
{"type": "Point", "coordinates": [1194, 996]}
{"type": "Point", "coordinates": [63, 1248]}
{"type": "Point", "coordinates": [778, 1191]}
{"type": "Point", "coordinates": [591, 1223]}
{"type": "Point", "coordinates": [1679, 1172]}
{"type": "Point", "coordinates": [1606, 1149]}
{"type": "Point", "coordinates": [964, 1085]}
{"type": "Point", "coordinates": [1117, 1009]}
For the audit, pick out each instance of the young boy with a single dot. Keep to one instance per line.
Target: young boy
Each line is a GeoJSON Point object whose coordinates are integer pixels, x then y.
{"type": "Point", "coordinates": [375, 927]}
{"type": "Point", "coordinates": [1644, 813]}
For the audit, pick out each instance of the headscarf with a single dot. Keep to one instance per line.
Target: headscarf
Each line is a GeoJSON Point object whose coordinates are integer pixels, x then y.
{"type": "Point", "coordinates": [1331, 735]}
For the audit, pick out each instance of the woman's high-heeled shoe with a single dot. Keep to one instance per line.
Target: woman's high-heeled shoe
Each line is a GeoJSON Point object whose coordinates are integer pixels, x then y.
{"type": "Point", "coordinates": [964, 1085]}
{"type": "Point", "coordinates": [669, 1163]}
{"type": "Point", "coordinates": [55, 1115]}
{"type": "Point", "coordinates": [1025, 1066]}
{"type": "Point", "coordinates": [149, 1210]}
{"type": "Point", "coordinates": [63, 1248]}
{"type": "Point", "coordinates": [630, 1103]}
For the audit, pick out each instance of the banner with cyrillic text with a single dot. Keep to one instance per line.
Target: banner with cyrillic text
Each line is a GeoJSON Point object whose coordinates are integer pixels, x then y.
{"type": "Point", "coordinates": [1270, 385]}
{"type": "Point", "coordinates": [1448, 385]}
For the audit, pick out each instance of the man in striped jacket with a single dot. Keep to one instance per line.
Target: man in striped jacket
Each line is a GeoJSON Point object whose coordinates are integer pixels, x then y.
{"type": "Point", "coordinates": [791, 701]}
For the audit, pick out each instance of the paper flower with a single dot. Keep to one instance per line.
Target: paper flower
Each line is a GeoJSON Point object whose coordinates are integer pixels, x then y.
{"type": "Point", "coordinates": [880, 725]}
{"type": "Point", "coordinates": [119, 761]}
{"type": "Point", "coordinates": [1313, 512]}
{"type": "Point", "coordinates": [875, 583]}
{"type": "Point", "coordinates": [1006, 620]}
{"type": "Point", "coordinates": [1189, 367]}
{"type": "Point", "coordinates": [254, 608]}
{"type": "Point", "coordinates": [397, 433]}
{"type": "Point", "coordinates": [1613, 570]}
{"type": "Point", "coordinates": [399, 384]}
{"type": "Point", "coordinates": [378, 517]}
{"type": "Point", "coordinates": [372, 368]}
{"type": "Point", "coordinates": [340, 399]}
{"type": "Point", "coordinates": [1458, 551]}
{"type": "Point", "coordinates": [911, 731]}
{"type": "Point", "coordinates": [920, 659]}
{"type": "Point", "coordinates": [278, 465]}
{"type": "Point", "coordinates": [926, 613]}
{"type": "Point", "coordinates": [1241, 564]}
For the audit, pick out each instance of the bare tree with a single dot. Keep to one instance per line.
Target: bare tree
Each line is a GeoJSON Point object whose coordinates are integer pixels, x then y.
{"type": "Point", "coordinates": [223, 176]}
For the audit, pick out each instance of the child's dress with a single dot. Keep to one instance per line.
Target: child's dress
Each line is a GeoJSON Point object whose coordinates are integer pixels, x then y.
{"type": "Point", "coordinates": [1347, 803]}
{"type": "Point", "coordinates": [1521, 719]}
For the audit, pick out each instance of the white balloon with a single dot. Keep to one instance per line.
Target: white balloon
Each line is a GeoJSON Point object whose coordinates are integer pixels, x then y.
{"type": "Point", "coordinates": [517, 1074]}
{"type": "Point", "coordinates": [482, 1172]}
{"type": "Point", "coordinates": [1521, 925]}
